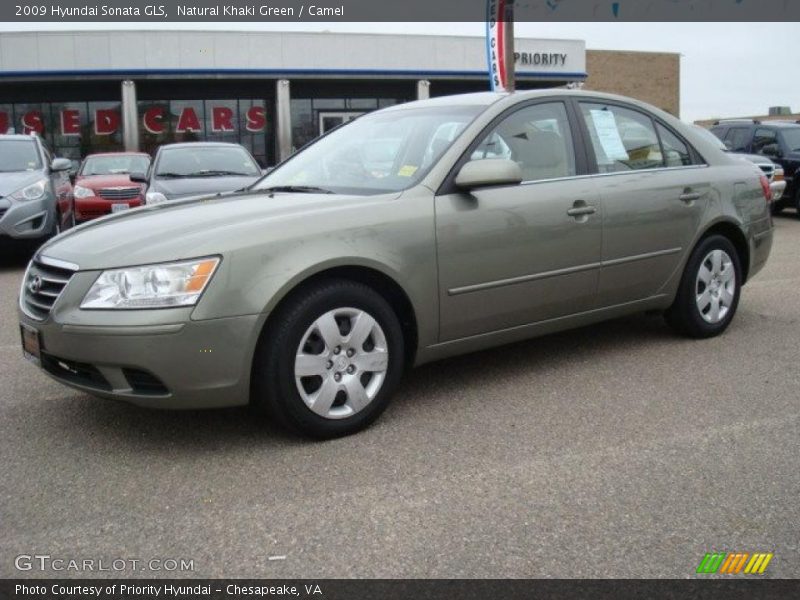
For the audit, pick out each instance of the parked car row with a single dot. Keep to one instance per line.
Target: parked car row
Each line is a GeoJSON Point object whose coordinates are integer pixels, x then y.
{"type": "Point", "coordinates": [41, 195]}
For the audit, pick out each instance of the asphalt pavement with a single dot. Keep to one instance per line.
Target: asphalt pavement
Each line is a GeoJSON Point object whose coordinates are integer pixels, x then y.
{"type": "Point", "coordinates": [618, 450]}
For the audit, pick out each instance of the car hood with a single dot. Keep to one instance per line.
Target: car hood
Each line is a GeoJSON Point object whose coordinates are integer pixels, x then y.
{"type": "Point", "coordinates": [190, 186]}
{"type": "Point", "coordinates": [187, 228]}
{"type": "Point", "coordinates": [96, 182]}
{"type": "Point", "coordinates": [11, 182]}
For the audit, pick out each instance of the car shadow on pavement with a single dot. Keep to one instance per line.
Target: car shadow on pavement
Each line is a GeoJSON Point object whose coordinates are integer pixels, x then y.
{"type": "Point", "coordinates": [15, 256]}
{"type": "Point", "coordinates": [113, 423]}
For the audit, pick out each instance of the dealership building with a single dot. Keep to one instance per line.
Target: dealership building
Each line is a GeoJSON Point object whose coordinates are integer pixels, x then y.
{"type": "Point", "coordinates": [94, 91]}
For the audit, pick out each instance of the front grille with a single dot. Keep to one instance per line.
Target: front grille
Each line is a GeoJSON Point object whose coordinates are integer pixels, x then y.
{"type": "Point", "coordinates": [769, 171]}
{"type": "Point", "coordinates": [75, 372]}
{"type": "Point", "coordinates": [42, 286]}
{"type": "Point", "coordinates": [127, 193]}
{"type": "Point", "coordinates": [145, 383]}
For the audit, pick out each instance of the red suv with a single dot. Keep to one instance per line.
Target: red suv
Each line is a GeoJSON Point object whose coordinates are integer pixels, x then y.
{"type": "Point", "coordinates": [103, 185]}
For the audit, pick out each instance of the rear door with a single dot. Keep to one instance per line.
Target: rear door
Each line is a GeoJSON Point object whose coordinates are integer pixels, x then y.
{"type": "Point", "coordinates": [654, 190]}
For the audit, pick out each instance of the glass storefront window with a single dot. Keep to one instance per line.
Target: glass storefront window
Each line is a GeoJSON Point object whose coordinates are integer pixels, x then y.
{"type": "Point", "coordinates": [242, 122]}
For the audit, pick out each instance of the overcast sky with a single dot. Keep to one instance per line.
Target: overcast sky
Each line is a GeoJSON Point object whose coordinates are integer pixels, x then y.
{"type": "Point", "coordinates": [727, 69]}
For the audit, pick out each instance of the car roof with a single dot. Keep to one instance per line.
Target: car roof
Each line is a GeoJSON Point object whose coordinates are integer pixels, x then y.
{"type": "Point", "coordinates": [201, 144]}
{"type": "Point", "coordinates": [117, 154]}
{"type": "Point", "coordinates": [489, 98]}
{"type": "Point", "coordinates": [18, 137]}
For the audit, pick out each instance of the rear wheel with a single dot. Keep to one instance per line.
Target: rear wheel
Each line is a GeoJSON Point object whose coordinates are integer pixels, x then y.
{"type": "Point", "coordinates": [331, 362]}
{"type": "Point", "coordinates": [709, 292]}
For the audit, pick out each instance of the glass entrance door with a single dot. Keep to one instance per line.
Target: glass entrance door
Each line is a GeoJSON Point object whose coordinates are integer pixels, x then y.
{"type": "Point", "coordinates": [329, 120]}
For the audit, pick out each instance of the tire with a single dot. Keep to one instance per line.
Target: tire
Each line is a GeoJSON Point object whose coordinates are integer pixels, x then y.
{"type": "Point", "coordinates": [777, 207]}
{"type": "Point", "coordinates": [329, 393]}
{"type": "Point", "coordinates": [693, 311]}
{"type": "Point", "coordinates": [797, 201]}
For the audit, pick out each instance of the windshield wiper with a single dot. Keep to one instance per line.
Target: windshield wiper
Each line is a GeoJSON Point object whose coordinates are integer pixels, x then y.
{"type": "Point", "coordinates": [170, 175]}
{"type": "Point", "coordinates": [216, 173]}
{"type": "Point", "coordinates": [298, 189]}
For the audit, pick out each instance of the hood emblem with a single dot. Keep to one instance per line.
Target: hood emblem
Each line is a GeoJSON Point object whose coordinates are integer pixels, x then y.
{"type": "Point", "coordinates": [35, 284]}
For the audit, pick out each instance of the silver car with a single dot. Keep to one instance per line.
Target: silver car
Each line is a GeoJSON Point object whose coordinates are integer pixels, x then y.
{"type": "Point", "coordinates": [36, 198]}
{"type": "Point", "coordinates": [411, 234]}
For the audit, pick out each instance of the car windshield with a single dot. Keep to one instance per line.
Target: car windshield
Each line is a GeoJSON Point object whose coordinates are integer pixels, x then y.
{"type": "Point", "coordinates": [206, 161]}
{"type": "Point", "coordinates": [378, 153]}
{"type": "Point", "coordinates": [115, 165]}
{"type": "Point", "coordinates": [792, 138]}
{"type": "Point", "coordinates": [19, 155]}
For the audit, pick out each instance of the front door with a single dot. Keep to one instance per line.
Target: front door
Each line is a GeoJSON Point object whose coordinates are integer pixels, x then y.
{"type": "Point", "coordinates": [330, 119]}
{"type": "Point", "coordinates": [519, 254]}
{"type": "Point", "coordinates": [654, 192]}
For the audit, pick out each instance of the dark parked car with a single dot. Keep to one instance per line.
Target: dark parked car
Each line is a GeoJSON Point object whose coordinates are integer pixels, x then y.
{"type": "Point", "coordinates": [35, 191]}
{"type": "Point", "coordinates": [777, 140]}
{"type": "Point", "coordinates": [772, 170]}
{"type": "Point", "coordinates": [103, 185]}
{"type": "Point", "coordinates": [197, 168]}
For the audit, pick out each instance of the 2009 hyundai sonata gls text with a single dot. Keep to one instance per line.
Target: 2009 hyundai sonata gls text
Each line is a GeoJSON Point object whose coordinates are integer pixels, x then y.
{"type": "Point", "coordinates": [410, 234]}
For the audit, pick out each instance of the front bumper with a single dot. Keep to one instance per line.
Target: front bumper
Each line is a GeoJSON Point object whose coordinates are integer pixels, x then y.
{"type": "Point", "coordinates": [95, 206]}
{"type": "Point", "coordinates": [28, 219]}
{"type": "Point", "coordinates": [777, 188]}
{"type": "Point", "coordinates": [182, 364]}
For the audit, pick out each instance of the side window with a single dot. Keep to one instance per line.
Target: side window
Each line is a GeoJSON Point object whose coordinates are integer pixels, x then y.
{"type": "Point", "coordinates": [737, 139]}
{"type": "Point", "coordinates": [623, 139]}
{"type": "Point", "coordinates": [676, 152]}
{"type": "Point", "coordinates": [538, 138]}
{"type": "Point", "coordinates": [763, 137]}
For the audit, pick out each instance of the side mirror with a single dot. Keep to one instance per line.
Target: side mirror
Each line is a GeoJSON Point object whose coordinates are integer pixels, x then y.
{"type": "Point", "coordinates": [772, 150]}
{"type": "Point", "coordinates": [60, 164]}
{"type": "Point", "coordinates": [488, 172]}
{"type": "Point", "coordinates": [138, 177]}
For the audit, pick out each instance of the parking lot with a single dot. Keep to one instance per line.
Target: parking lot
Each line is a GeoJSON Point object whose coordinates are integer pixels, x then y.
{"type": "Point", "coordinates": [618, 450]}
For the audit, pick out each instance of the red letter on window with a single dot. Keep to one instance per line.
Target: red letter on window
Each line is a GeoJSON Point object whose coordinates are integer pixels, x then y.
{"type": "Point", "coordinates": [33, 121]}
{"type": "Point", "coordinates": [221, 119]}
{"type": "Point", "coordinates": [188, 121]}
{"type": "Point", "coordinates": [106, 121]}
{"type": "Point", "coordinates": [70, 122]}
{"type": "Point", "coordinates": [154, 120]}
{"type": "Point", "coordinates": [256, 119]}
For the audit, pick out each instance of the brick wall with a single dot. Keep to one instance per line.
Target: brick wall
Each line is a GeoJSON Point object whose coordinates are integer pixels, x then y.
{"type": "Point", "coordinates": [652, 77]}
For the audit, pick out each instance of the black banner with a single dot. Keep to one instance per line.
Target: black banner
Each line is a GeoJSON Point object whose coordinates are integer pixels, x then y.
{"type": "Point", "coordinates": [198, 11]}
{"type": "Point", "coordinates": [343, 589]}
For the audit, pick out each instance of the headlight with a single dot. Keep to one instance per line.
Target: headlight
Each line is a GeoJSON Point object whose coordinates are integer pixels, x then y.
{"type": "Point", "coordinates": [32, 192]}
{"type": "Point", "coordinates": [82, 192]}
{"type": "Point", "coordinates": [152, 286]}
{"type": "Point", "coordinates": [155, 198]}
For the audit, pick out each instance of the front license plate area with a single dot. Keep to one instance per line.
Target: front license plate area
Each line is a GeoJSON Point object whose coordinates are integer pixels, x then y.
{"type": "Point", "coordinates": [31, 343]}
{"type": "Point", "coordinates": [115, 208]}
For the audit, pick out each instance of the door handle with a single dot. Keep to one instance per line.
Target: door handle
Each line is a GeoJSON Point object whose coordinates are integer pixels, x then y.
{"type": "Point", "coordinates": [689, 197]}
{"type": "Point", "coordinates": [581, 211]}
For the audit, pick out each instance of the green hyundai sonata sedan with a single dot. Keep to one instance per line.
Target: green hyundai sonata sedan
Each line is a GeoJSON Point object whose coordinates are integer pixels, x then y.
{"type": "Point", "coordinates": [411, 234]}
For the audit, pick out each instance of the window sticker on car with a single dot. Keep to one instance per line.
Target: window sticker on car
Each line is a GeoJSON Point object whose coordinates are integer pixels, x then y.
{"type": "Point", "coordinates": [608, 134]}
{"type": "Point", "coordinates": [407, 171]}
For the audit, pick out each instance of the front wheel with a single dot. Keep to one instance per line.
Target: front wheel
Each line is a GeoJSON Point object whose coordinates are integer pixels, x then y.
{"type": "Point", "coordinates": [330, 361]}
{"type": "Point", "coordinates": [709, 291]}
{"type": "Point", "coordinates": [797, 201]}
